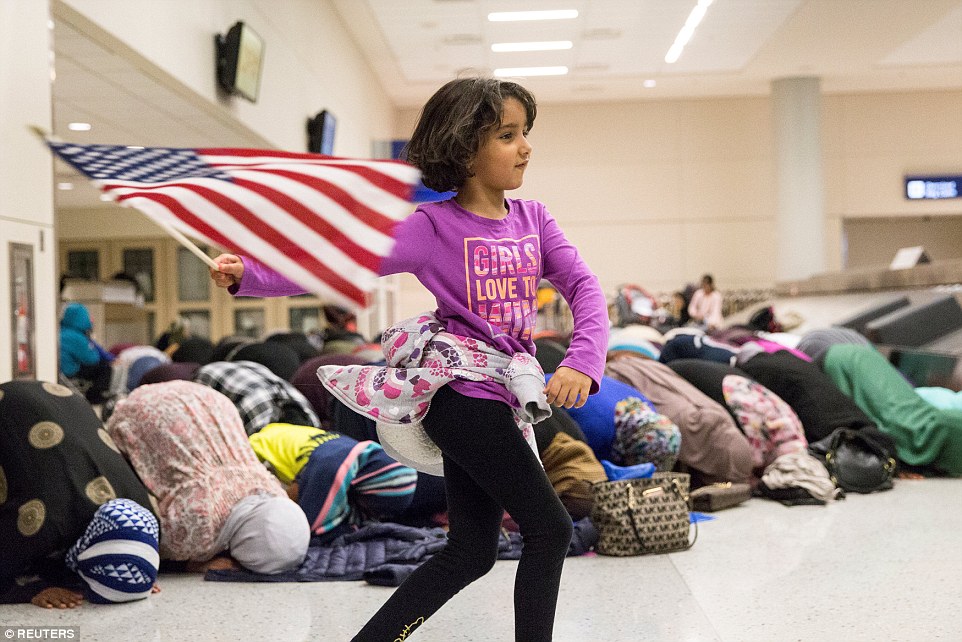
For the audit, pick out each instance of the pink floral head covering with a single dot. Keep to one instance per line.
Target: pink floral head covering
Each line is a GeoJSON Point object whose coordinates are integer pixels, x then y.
{"type": "Point", "coordinates": [187, 443]}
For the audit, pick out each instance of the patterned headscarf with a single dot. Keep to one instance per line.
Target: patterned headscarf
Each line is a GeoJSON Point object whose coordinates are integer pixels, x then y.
{"type": "Point", "coordinates": [188, 445]}
{"type": "Point", "coordinates": [117, 556]}
{"type": "Point", "coordinates": [770, 425]}
{"type": "Point", "coordinates": [261, 397]}
{"type": "Point", "coordinates": [643, 435]}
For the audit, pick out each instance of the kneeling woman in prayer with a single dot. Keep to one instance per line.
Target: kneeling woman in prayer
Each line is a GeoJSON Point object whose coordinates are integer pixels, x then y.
{"type": "Point", "coordinates": [219, 506]}
{"type": "Point", "coordinates": [70, 506]}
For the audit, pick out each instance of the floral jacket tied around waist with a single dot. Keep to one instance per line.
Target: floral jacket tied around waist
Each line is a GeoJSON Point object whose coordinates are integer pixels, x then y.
{"type": "Point", "coordinates": [421, 358]}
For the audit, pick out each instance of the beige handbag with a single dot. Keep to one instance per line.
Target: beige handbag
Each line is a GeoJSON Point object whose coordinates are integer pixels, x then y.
{"type": "Point", "coordinates": [641, 516]}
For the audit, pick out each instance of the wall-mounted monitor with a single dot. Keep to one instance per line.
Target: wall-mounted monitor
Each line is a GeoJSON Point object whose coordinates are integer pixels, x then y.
{"type": "Point", "coordinates": [240, 57]}
{"type": "Point", "coordinates": [320, 133]}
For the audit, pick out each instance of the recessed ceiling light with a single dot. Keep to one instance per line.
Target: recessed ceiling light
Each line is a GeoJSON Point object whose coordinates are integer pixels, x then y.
{"type": "Point", "coordinates": [649, 83]}
{"type": "Point", "coordinates": [551, 45]}
{"type": "Point", "coordinates": [515, 16]}
{"type": "Point", "coordinates": [531, 71]}
{"type": "Point", "coordinates": [79, 127]}
{"type": "Point", "coordinates": [674, 52]}
{"type": "Point", "coordinates": [64, 186]}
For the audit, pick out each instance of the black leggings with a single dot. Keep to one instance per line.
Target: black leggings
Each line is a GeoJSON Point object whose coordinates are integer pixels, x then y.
{"type": "Point", "coordinates": [488, 468]}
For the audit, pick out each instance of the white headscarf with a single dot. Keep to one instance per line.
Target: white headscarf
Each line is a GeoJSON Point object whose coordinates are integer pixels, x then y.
{"type": "Point", "coordinates": [266, 534]}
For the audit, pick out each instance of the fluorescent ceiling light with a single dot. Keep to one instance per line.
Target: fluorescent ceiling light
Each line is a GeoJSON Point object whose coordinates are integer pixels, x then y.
{"type": "Point", "coordinates": [515, 16]}
{"type": "Point", "coordinates": [64, 186]}
{"type": "Point", "coordinates": [79, 127]}
{"type": "Point", "coordinates": [674, 53]}
{"type": "Point", "coordinates": [531, 71]}
{"type": "Point", "coordinates": [553, 45]}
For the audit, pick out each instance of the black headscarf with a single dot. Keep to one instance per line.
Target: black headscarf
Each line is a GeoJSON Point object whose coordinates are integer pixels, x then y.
{"type": "Point", "coordinates": [297, 341]}
{"type": "Point", "coordinates": [194, 350]}
{"type": "Point", "coordinates": [276, 357]}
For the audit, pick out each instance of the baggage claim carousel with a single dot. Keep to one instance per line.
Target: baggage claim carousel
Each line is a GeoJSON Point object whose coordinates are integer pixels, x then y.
{"type": "Point", "coordinates": [913, 315]}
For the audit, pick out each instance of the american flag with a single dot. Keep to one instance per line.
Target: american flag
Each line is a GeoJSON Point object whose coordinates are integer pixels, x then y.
{"type": "Point", "coordinates": [323, 222]}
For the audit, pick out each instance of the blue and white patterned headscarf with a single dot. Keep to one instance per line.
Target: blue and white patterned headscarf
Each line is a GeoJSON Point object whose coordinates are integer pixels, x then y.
{"type": "Point", "coordinates": [117, 555]}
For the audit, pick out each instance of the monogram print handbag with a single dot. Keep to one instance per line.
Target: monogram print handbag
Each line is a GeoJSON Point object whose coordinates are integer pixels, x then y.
{"type": "Point", "coordinates": [641, 516]}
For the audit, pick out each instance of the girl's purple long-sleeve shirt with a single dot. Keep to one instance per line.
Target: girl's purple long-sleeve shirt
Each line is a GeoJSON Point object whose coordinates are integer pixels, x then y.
{"type": "Point", "coordinates": [484, 274]}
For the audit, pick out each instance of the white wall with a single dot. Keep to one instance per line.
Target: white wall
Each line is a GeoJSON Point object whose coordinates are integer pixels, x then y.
{"type": "Point", "coordinates": [26, 176]}
{"type": "Point", "coordinates": [105, 224]}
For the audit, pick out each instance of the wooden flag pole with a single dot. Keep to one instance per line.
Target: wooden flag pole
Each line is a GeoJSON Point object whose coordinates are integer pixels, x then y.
{"type": "Point", "coordinates": [44, 135]}
{"type": "Point", "coordinates": [186, 242]}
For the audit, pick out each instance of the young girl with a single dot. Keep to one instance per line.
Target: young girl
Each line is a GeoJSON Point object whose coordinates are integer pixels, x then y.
{"type": "Point", "coordinates": [482, 256]}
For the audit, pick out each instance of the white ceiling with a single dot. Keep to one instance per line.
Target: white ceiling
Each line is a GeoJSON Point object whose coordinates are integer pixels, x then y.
{"type": "Point", "coordinates": [739, 47]}
{"type": "Point", "coordinates": [416, 45]}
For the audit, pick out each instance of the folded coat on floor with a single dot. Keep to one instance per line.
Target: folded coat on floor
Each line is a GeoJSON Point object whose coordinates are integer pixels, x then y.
{"type": "Point", "coordinates": [385, 554]}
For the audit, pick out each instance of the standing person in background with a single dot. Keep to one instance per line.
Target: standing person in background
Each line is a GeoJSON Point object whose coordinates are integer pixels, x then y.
{"type": "Point", "coordinates": [483, 255]}
{"type": "Point", "coordinates": [706, 305]}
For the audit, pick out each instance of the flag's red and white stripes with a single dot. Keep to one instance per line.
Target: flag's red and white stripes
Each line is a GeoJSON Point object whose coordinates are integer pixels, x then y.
{"type": "Point", "coordinates": [323, 222]}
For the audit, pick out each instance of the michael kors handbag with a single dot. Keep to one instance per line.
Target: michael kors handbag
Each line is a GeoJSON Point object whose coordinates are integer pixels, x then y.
{"type": "Point", "coordinates": [641, 516]}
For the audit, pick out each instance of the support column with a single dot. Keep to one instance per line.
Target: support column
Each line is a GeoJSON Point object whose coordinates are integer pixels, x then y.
{"type": "Point", "coordinates": [28, 279]}
{"type": "Point", "coordinates": [800, 218]}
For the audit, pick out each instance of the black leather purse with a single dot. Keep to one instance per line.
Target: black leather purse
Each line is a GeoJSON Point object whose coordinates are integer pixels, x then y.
{"type": "Point", "coordinates": [858, 461]}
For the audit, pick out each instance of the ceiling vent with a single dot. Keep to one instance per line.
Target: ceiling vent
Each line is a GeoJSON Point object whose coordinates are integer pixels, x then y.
{"type": "Point", "coordinates": [591, 68]}
{"type": "Point", "coordinates": [460, 39]}
{"type": "Point", "coordinates": [601, 33]}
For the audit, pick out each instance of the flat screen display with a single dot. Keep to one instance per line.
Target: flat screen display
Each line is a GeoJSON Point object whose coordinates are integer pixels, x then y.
{"type": "Point", "coordinates": [933, 187]}
{"type": "Point", "coordinates": [250, 55]}
{"type": "Point", "coordinates": [240, 58]}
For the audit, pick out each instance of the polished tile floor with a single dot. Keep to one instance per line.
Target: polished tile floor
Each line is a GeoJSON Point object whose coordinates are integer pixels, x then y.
{"type": "Point", "coordinates": [879, 567]}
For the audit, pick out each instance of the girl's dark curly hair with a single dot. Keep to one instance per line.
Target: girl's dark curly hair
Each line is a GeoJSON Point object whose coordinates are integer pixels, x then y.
{"type": "Point", "coordinates": [453, 123]}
